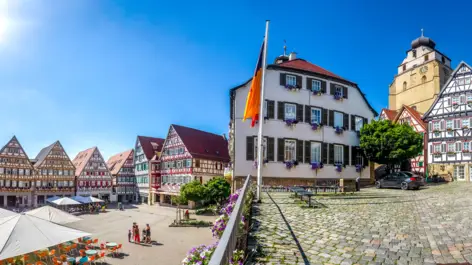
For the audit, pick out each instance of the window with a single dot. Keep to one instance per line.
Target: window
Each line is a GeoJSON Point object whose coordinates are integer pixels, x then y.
{"type": "Point", "coordinates": [458, 146]}
{"type": "Point", "coordinates": [450, 147]}
{"type": "Point", "coordinates": [423, 79]}
{"type": "Point", "coordinates": [338, 154]}
{"type": "Point", "coordinates": [315, 152]}
{"type": "Point", "coordinates": [290, 150]}
{"type": "Point", "coordinates": [179, 164]}
{"type": "Point", "coordinates": [426, 57]}
{"type": "Point", "coordinates": [188, 163]}
{"type": "Point", "coordinates": [290, 111]}
{"type": "Point", "coordinates": [404, 86]}
{"type": "Point", "coordinates": [459, 172]}
{"type": "Point", "coordinates": [338, 119]}
{"type": "Point", "coordinates": [315, 85]}
{"type": "Point", "coordinates": [437, 148]}
{"type": "Point", "coordinates": [457, 124]}
{"type": "Point", "coordinates": [338, 90]}
{"type": "Point", "coordinates": [466, 146]}
{"type": "Point", "coordinates": [465, 123]}
{"type": "Point", "coordinates": [443, 60]}
{"type": "Point", "coordinates": [315, 116]}
{"type": "Point", "coordinates": [359, 159]}
{"type": "Point", "coordinates": [455, 100]}
{"type": "Point", "coordinates": [291, 80]}
{"type": "Point", "coordinates": [359, 123]}
{"type": "Point", "coordinates": [449, 124]}
{"type": "Point", "coordinates": [413, 52]}
{"type": "Point", "coordinates": [264, 148]}
{"type": "Point", "coordinates": [197, 163]}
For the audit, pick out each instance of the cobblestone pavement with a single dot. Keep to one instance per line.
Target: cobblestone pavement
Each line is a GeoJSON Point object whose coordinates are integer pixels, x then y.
{"type": "Point", "coordinates": [387, 226]}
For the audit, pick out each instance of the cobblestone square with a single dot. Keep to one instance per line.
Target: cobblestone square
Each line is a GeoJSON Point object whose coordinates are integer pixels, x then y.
{"type": "Point", "coordinates": [386, 226]}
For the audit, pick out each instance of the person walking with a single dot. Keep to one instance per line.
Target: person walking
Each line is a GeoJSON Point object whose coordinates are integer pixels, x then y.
{"type": "Point", "coordinates": [136, 235]}
{"type": "Point", "coordinates": [358, 183]}
{"type": "Point", "coordinates": [129, 235]}
{"type": "Point", "coordinates": [148, 234]}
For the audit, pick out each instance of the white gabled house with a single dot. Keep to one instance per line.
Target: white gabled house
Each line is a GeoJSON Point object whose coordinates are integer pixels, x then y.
{"type": "Point", "coordinates": [311, 117]}
{"type": "Point", "coordinates": [449, 134]}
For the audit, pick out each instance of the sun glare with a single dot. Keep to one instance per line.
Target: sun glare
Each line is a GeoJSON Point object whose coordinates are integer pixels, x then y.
{"type": "Point", "coordinates": [4, 25]}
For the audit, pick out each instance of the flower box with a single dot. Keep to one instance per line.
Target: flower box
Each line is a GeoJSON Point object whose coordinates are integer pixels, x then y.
{"type": "Point", "coordinates": [359, 168]}
{"type": "Point", "coordinates": [292, 88]}
{"type": "Point", "coordinates": [465, 151]}
{"type": "Point", "coordinates": [264, 162]}
{"type": "Point", "coordinates": [317, 92]}
{"type": "Point", "coordinates": [451, 153]}
{"type": "Point", "coordinates": [437, 153]}
{"type": "Point", "coordinates": [291, 164]}
{"type": "Point", "coordinates": [338, 130]}
{"type": "Point", "coordinates": [338, 167]}
{"type": "Point", "coordinates": [337, 96]}
{"type": "Point", "coordinates": [465, 127]}
{"type": "Point", "coordinates": [315, 126]}
{"type": "Point", "coordinates": [291, 122]}
{"type": "Point", "coordinates": [316, 165]}
{"type": "Point", "coordinates": [436, 131]}
{"type": "Point", "coordinates": [448, 129]}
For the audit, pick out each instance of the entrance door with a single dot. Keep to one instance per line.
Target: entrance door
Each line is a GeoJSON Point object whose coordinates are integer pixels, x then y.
{"type": "Point", "coordinates": [11, 201]}
{"type": "Point", "coordinates": [2, 200]}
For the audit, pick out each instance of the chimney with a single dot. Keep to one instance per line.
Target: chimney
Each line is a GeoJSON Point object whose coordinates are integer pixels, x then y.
{"type": "Point", "coordinates": [292, 56]}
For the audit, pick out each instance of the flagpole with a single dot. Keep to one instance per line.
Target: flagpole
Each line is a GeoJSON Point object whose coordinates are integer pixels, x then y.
{"type": "Point", "coordinates": [261, 117]}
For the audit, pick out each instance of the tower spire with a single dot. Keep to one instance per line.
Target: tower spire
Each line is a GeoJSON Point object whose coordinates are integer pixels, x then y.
{"type": "Point", "coordinates": [285, 48]}
{"type": "Point", "coordinates": [422, 33]}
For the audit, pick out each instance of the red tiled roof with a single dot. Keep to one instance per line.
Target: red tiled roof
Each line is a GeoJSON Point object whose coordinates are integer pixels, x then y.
{"type": "Point", "coordinates": [391, 114]}
{"type": "Point", "coordinates": [81, 159]}
{"type": "Point", "coordinates": [202, 144]}
{"type": "Point", "coordinates": [415, 114]}
{"type": "Point", "coordinates": [150, 145]}
{"type": "Point", "coordinates": [116, 162]}
{"type": "Point", "coordinates": [301, 64]}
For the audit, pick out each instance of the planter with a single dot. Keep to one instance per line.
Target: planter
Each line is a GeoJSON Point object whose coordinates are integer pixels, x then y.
{"type": "Point", "coordinates": [291, 164]}
{"type": "Point", "coordinates": [316, 165]}
{"type": "Point", "coordinates": [449, 129]}
{"type": "Point", "coordinates": [317, 93]}
{"type": "Point", "coordinates": [291, 122]}
{"type": "Point", "coordinates": [451, 153]}
{"type": "Point", "coordinates": [337, 96]}
{"type": "Point", "coordinates": [338, 130]}
{"type": "Point", "coordinates": [292, 88]}
{"type": "Point", "coordinates": [338, 168]}
{"type": "Point", "coordinates": [315, 126]}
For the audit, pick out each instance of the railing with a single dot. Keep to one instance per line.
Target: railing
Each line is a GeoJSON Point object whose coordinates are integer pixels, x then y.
{"type": "Point", "coordinates": [227, 244]}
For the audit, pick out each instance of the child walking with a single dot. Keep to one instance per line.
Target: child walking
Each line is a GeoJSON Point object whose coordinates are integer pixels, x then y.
{"type": "Point", "coordinates": [129, 235]}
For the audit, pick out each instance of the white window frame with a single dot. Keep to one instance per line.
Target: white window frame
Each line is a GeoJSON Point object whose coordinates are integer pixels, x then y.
{"type": "Point", "coordinates": [291, 80]}
{"type": "Point", "coordinates": [315, 85]}
{"type": "Point", "coordinates": [436, 148]}
{"type": "Point", "coordinates": [315, 118]}
{"type": "Point", "coordinates": [264, 148]}
{"type": "Point", "coordinates": [469, 96]}
{"type": "Point", "coordinates": [289, 111]}
{"type": "Point", "coordinates": [338, 119]}
{"type": "Point", "coordinates": [359, 123]}
{"type": "Point", "coordinates": [451, 147]}
{"type": "Point", "coordinates": [458, 147]}
{"type": "Point", "coordinates": [466, 146]}
{"type": "Point", "coordinates": [449, 124]}
{"type": "Point", "coordinates": [459, 172]}
{"type": "Point", "coordinates": [290, 150]}
{"type": "Point", "coordinates": [315, 151]}
{"type": "Point", "coordinates": [465, 122]}
{"type": "Point", "coordinates": [455, 99]}
{"type": "Point", "coordinates": [338, 154]}
{"type": "Point", "coordinates": [339, 90]}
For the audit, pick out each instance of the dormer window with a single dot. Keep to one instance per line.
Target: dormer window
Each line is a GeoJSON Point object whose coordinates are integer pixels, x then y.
{"type": "Point", "coordinates": [413, 53]}
{"type": "Point", "coordinates": [291, 80]}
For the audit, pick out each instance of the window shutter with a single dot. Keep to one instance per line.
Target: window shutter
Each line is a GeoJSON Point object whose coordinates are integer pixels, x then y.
{"type": "Point", "coordinates": [307, 151]}
{"type": "Point", "coordinates": [449, 101]}
{"type": "Point", "coordinates": [324, 116]}
{"type": "Point", "coordinates": [353, 122]}
{"type": "Point", "coordinates": [443, 148]}
{"type": "Point", "coordinates": [309, 84]}
{"type": "Point", "coordinates": [324, 153]}
{"type": "Point", "coordinates": [366, 121]}
{"type": "Point", "coordinates": [250, 148]}
{"type": "Point", "coordinates": [353, 155]}
{"type": "Point", "coordinates": [442, 124]}
{"type": "Point", "coordinates": [346, 121]}
{"type": "Point", "coordinates": [331, 154]}
{"type": "Point", "coordinates": [331, 89]}
{"type": "Point", "coordinates": [280, 110]}
{"type": "Point", "coordinates": [345, 92]}
{"type": "Point", "coordinates": [270, 148]}
{"type": "Point", "coordinates": [331, 118]}
{"type": "Point", "coordinates": [283, 79]}
{"type": "Point", "coordinates": [300, 112]}
{"type": "Point", "coordinates": [430, 126]}
{"type": "Point", "coordinates": [300, 151]}
{"type": "Point", "coordinates": [346, 155]}
{"type": "Point", "coordinates": [299, 81]}
{"type": "Point", "coordinates": [280, 149]}
{"type": "Point", "coordinates": [307, 114]}
{"type": "Point", "coordinates": [270, 109]}
{"type": "Point", "coordinates": [323, 86]}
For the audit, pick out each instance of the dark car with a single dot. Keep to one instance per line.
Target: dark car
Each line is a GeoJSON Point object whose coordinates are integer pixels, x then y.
{"type": "Point", "coordinates": [403, 180]}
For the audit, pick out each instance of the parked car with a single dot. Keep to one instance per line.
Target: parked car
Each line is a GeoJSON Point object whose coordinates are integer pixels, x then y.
{"type": "Point", "coordinates": [403, 180]}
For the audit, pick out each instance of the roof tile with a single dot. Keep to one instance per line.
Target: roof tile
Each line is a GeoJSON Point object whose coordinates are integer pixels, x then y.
{"type": "Point", "coordinates": [116, 162]}
{"type": "Point", "coordinates": [151, 145]}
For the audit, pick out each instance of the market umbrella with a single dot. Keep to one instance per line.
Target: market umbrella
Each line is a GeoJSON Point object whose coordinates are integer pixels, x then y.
{"type": "Point", "coordinates": [5, 213]}
{"type": "Point", "coordinates": [88, 199]}
{"type": "Point", "coordinates": [93, 199]}
{"type": "Point", "coordinates": [65, 201]}
{"type": "Point", "coordinates": [53, 215]}
{"type": "Point", "coordinates": [23, 233]}
{"type": "Point", "coordinates": [53, 198]}
{"type": "Point", "coordinates": [79, 199]}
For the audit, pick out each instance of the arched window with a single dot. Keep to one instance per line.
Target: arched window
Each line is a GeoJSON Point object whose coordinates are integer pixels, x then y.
{"type": "Point", "coordinates": [423, 79]}
{"type": "Point", "coordinates": [404, 86]}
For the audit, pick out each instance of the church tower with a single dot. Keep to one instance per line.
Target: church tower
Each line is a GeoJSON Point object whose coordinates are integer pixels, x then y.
{"type": "Point", "coordinates": [420, 76]}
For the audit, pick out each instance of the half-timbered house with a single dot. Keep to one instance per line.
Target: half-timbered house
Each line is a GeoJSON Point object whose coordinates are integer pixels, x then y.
{"type": "Point", "coordinates": [449, 127]}
{"type": "Point", "coordinates": [55, 174]}
{"type": "Point", "coordinates": [387, 114]}
{"type": "Point", "coordinates": [145, 149]}
{"type": "Point", "coordinates": [121, 167]}
{"type": "Point", "coordinates": [92, 175]}
{"type": "Point", "coordinates": [312, 119]}
{"type": "Point", "coordinates": [190, 154]}
{"type": "Point", "coordinates": [16, 175]}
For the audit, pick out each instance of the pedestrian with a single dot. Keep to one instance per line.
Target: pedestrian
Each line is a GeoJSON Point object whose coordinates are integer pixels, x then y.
{"type": "Point", "coordinates": [129, 235]}
{"type": "Point", "coordinates": [144, 235]}
{"type": "Point", "coordinates": [148, 234]}
{"type": "Point", "coordinates": [136, 234]}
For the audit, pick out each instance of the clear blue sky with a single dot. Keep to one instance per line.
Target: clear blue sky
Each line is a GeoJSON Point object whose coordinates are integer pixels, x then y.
{"type": "Point", "coordinates": [89, 72]}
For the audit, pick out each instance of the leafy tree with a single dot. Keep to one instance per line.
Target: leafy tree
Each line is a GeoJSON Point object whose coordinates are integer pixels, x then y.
{"type": "Point", "coordinates": [218, 189]}
{"type": "Point", "coordinates": [390, 143]}
{"type": "Point", "coordinates": [194, 191]}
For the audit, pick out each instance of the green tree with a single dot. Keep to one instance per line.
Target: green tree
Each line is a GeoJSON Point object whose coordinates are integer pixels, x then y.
{"type": "Point", "coordinates": [390, 143]}
{"type": "Point", "coordinates": [194, 191]}
{"type": "Point", "coordinates": [218, 189]}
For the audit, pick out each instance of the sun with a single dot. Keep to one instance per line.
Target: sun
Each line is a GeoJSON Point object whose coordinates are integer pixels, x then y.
{"type": "Point", "coordinates": [4, 25]}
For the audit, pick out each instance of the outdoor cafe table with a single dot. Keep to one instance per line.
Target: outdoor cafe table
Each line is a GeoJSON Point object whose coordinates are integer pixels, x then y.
{"type": "Point", "coordinates": [111, 244]}
{"type": "Point", "coordinates": [308, 194]}
{"type": "Point", "coordinates": [71, 259]}
{"type": "Point", "coordinates": [91, 252]}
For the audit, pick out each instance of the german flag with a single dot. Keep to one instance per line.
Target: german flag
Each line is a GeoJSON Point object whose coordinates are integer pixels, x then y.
{"type": "Point", "coordinates": [253, 101]}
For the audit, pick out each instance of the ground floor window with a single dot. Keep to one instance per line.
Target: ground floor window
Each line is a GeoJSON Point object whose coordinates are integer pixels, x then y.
{"type": "Point", "coordinates": [459, 172]}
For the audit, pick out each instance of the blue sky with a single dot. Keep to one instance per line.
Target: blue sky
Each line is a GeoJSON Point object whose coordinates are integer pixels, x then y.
{"type": "Point", "coordinates": [99, 73]}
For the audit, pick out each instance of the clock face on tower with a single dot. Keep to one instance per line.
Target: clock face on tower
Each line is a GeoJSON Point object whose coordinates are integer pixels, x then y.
{"type": "Point", "coordinates": [424, 69]}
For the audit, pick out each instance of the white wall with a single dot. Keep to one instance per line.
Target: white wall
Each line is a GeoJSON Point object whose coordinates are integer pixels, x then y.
{"type": "Point", "coordinates": [355, 104]}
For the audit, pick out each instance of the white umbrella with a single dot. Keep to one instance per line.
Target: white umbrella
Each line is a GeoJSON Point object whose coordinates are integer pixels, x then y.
{"type": "Point", "coordinates": [53, 215]}
{"type": "Point", "coordinates": [5, 213]}
{"type": "Point", "coordinates": [22, 233]}
{"type": "Point", "coordinates": [79, 199]}
{"type": "Point", "coordinates": [93, 199]}
{"type": "Point", "coordinates": [53, 198]}
{"type": "Point", "coordinates": [65, 201]}
{"type": "Point", "coordinates": [88, 199]}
